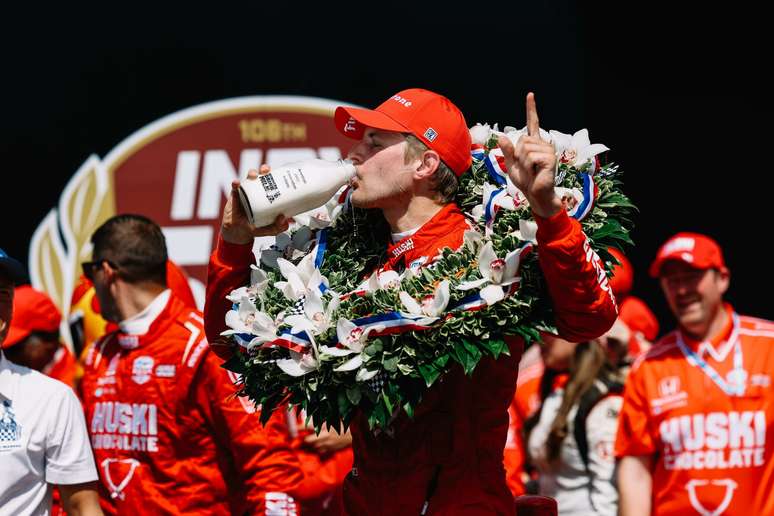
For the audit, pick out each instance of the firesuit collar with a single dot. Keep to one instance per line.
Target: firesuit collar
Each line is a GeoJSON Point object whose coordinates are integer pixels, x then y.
{"type": "Point", "coordinates": [140, 323]}
{"type": "Point", "coordinates": [400, 236]}
{"type": "Point", "coordinates": [423, 241]}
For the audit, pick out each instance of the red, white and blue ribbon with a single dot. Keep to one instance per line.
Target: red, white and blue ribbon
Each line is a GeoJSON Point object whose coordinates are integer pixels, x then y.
{"type": "Point", "coordinates": [478, 151]}
{"type": "Point", "coordinates": [495, 165]}
{"type": "Point", "coordinates": [322, 245]}
{"type": "Point", "coordinates": [590, 193]}
{"type": "Point", "coordinates": [469, 303]}
{"type": "Point", "coordinates": [490, 208]}
{"type": "Point", "coordinates": [298, 342]}
{"type": "Point", "coordinates": [393, 323]}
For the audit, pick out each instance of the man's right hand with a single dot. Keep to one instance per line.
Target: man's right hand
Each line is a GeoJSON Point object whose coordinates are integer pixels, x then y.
{"type": "Point", "coordinates": [235, 228]}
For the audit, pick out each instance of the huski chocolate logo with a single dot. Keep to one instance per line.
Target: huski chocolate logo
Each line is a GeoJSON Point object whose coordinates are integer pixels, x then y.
{"type": "Point", "coordinates": [178, 171]}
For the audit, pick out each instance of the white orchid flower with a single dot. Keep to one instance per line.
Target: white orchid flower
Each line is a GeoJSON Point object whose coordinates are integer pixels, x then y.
{"type": "Point", "coordinates": [496, 271]}
{"type": "Point", "coordinates": [352, 339]}
{"type": "Point", "coordinates": [363, 374]}
{"type": "Point", "coordinates": [264, 328]}
{"type": "Point", "coordinates": [477, 212]}
{"type": "Point", "coordinates": [480, 134]}
{"type": "Point", "coordinates": [288, 247]}
{"type": "Point", "coordinates": [236, 295]}
{"type": "Point", "coordinates": [259, 281]}
{"type": "Point", "coordinates": [514, 134]}
{"type": "Point", "coordinates": [576, 150]}
{"type": "Point", "coordinates": [571, 197]}
{"type": "Point", "coordinates": [527, 231]}
{"type": "Point", "coordinates": [249, 320]}
{"type": "Point", "coordinates": [383, 280]}
{"type": "Point", "coordinates": [298, 364]}
{"type": "Point", "coordinates": [241, 319]}
{"type": "Point", "coordinates": [431, 307]}
{"type": "Point", "coordinates": [300, 278]}
{"type": "Point", "coordinates": [317, 317]}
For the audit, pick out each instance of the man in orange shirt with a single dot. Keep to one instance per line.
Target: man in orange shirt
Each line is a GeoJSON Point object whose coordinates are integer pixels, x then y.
{"type": "Point", "coordinates": [696, 432]}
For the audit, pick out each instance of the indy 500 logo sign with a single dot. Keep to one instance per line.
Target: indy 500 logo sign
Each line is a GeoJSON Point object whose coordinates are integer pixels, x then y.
{"type": "Point", "coordinates": [178, 171]}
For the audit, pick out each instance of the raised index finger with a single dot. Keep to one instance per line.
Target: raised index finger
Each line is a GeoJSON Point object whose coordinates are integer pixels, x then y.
{"type": "Point", "coordinates": [533, 124]}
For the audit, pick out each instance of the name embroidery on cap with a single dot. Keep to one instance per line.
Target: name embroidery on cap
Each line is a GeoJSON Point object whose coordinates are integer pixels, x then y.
{"type": "Point", "coordinates": [402, 100]}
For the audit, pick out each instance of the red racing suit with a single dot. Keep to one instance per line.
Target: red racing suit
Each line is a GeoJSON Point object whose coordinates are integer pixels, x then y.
{"type": "Point", "coordinates": [451, 453]}
{"type": "Point", "coordinates": [168, 434]}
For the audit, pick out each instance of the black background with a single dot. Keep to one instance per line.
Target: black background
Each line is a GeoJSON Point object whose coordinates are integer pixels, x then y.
{"type": "Point", "coordinates": [673, 94]}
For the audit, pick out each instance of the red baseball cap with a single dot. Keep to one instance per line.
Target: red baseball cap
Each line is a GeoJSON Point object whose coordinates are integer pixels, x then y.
{"type": "Point", "coordinates": [431, 117]}
{"type": "Point", "coordinates": [698, 251]}
{"type": "Point", "coordinates": [638, 317]}
{"type": "Point", "coordinates": [32, 311]}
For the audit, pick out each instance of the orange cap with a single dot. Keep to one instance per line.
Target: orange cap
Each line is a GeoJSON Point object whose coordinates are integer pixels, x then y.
{"type": "Point", "coordinates": [431, 117]}
{"type": "Point", "coordinates": [698, 251]}
{"type": "Point", "coordinates": [638, 317]}
{"type": "Point", "coordinates": [623, 275]}
{"type": "Point", "coordinates": [32, 311]}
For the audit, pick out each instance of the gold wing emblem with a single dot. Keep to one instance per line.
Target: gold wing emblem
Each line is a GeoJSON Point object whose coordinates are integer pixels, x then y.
{"type": "Point", "coordinates": [61, 242]}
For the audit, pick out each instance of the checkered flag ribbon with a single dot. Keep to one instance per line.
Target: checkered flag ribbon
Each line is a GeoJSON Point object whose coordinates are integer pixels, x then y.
{"type": "Point", "coordinates": [377, 382]}
{"type": "Point", "coordinates": [297, 308]}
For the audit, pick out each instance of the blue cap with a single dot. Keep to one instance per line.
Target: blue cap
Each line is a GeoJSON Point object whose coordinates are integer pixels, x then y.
{"type": "Point", "coordinates": [12, 267]}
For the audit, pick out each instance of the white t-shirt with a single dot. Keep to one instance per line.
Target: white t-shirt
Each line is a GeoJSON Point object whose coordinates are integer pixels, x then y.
{"type": "Point", "coordinates": [43, 440]}
{"type": "Point", "coordinates": [566, 479]}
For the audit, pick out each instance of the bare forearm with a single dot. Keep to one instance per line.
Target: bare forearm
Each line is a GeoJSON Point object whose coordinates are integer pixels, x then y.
{"type": "Point", "coordinates": [81, 499]}
{"type": "Point", "coordinates": [634, 486]}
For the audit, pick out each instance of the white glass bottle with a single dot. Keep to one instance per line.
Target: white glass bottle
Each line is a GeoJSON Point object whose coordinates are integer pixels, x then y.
{"type": "Point", "coordinates": [293, 188]}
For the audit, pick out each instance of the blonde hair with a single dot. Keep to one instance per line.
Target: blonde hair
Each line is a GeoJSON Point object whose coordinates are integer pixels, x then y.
{"type": "Point", "coordinates": [444, 181]}
{"type": "Point", "coordinates": [590, 363]}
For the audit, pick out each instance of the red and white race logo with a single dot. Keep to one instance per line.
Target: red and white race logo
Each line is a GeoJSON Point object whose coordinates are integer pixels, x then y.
{"type": "Point", "coordinates": [178, 171]}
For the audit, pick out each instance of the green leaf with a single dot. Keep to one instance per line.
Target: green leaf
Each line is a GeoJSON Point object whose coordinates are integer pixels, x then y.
{"type": "Point", "coordinates": [390, 364]}
{"type": "Point", "coordinates": [378, 417]}
{"type": "Point", "coordinates": [387, 403]}
{"type": "Point", "coordinates": [343, 402]}
{"type": "Point", "coordinates": [441, 361]}
{"type": "Point", "coordinates": [405, 370]}
{"type": "Point", "coordinates": [235, 364]}
{"type": "Point", "coordinates": [495, 346]}
{"type": "Point", "coordinates": [429, 373]}
{"type": "Point", "coordinates": [354, 395]}
{"type": "Point", "coordinates": [374, 348]}
{"type": "Point", "coordinates": [473, 356]}
{"type": "Point", "coordinates": [459, 354]}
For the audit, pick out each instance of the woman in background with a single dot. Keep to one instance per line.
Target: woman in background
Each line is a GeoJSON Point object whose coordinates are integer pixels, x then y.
{"type": "Point", "coordinates": [571, 445]}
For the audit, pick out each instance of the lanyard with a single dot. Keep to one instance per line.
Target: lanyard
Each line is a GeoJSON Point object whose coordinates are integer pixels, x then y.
{"type": "Point", "coordinates": [734, 382]}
